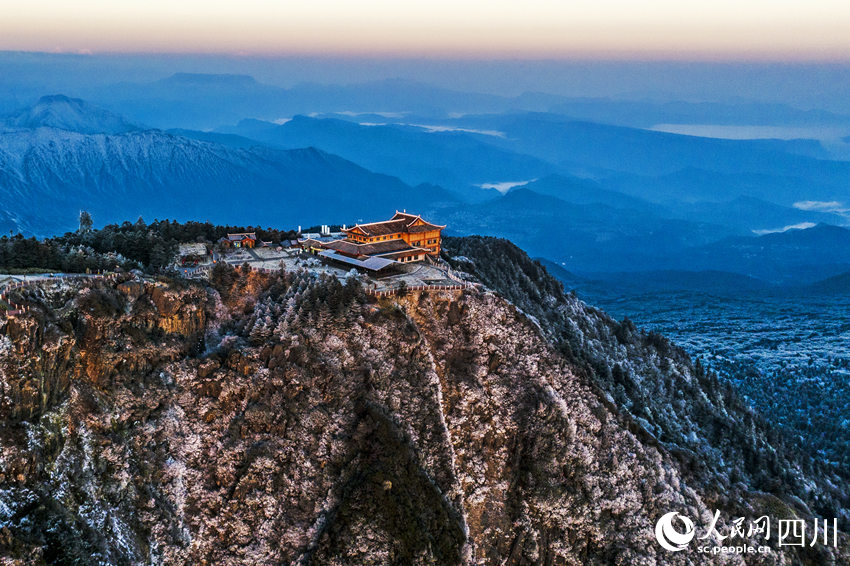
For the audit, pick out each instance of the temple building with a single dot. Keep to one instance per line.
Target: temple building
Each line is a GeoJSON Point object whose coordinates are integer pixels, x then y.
{"type": "Point", "coordinates": [239, 240]}
{"type": "Point", "coordinates": [404, 238]}
{"type": "Point", "coordinates": [418, 234]}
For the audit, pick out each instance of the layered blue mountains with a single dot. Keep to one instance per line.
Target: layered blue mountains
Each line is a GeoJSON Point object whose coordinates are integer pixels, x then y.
{"type": "Point", "coordinates": [595, 187]}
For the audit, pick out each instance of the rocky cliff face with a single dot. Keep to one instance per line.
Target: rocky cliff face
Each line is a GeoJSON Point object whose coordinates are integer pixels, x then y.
{"type": "Point", "coordinates": [288, 419]}
{"type": "Point", "coordinates": [701, 420]}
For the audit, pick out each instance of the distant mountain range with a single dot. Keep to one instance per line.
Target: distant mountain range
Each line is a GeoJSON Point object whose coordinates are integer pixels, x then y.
{"type": "Point", "coordinates": [515, 148]}
{"type": "Point", "coordinates": [588, 237]}
{"type": "Point", "coordinates": [578, 190]}
{"type": "Point", "coordinates": [595, 198]}
{"type": "Point", "coordinates": [49, 174]}
{"type": "Point", "coordinates": [597, 238]}
{"type": "Point", "coordinates": [202, 101]}
{"type": "Point", "coordinates": [835, 285]}
{"type": "Point", "coordinates": [633, 158]}
{"type": "Point", "coordinates": [460, 161]}
{"type": "Point", "coordinates": [793, 256]}
{"type": "Point", "coordinates": [813, 260]}
{"type": "Point", "coordinates": [623, 283]}
{"type": "Point", "coordinates": [648, 113]}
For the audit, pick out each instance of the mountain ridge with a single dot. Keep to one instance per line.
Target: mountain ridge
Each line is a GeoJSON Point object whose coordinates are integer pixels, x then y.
{"type": "Point", "coordinates": [288, 418]}
{"type": "Point", "coordinates": [458, 162]}
{"type": "Point", "coordinates": [152, 173]}
{"type": "Point", "coordinates": [72, 114]}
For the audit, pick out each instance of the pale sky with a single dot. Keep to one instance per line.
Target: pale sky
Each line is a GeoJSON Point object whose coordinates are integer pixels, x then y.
{"type": "Point", "coordinates": [629, 29]}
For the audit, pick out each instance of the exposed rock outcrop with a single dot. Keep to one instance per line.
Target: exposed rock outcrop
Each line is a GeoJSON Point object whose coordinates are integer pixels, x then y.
{"type": "Point", "coordinates": [284, 419]}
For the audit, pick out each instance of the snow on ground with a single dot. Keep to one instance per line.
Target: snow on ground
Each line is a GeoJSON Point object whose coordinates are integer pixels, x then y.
{"type": "Point", "coordinates": [413, 274]}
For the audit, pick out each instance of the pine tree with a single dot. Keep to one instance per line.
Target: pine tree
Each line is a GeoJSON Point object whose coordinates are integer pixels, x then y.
{"type": "Point", "coordinates": [260, 333]}
{"type": "Point", "coordinates": [86, 222]}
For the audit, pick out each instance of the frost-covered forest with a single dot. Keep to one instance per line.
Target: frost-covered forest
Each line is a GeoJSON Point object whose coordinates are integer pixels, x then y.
{"type": "Point", "coordinates": [787, 352]}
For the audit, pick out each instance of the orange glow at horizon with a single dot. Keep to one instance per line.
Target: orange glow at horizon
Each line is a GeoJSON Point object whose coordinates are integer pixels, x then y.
{"type": "Point", "coordinates": [722, 29]}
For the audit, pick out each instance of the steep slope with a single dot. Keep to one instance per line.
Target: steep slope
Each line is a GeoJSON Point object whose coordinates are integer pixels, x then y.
{"type": "Point", "coordinates": [289, 419]}
{"type": "Point", "coordinates": [709, 428]}
{"type": "Point", "coordinates": [49, 175]}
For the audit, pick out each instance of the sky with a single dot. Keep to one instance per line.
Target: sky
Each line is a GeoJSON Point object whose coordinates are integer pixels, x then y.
{"type": "Point", "coordinates": [717, 30]}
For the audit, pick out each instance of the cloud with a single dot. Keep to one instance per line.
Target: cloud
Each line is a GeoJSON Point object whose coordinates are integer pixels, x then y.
{"type": "Point", "coordinates": [504, 187]}
{"type": "Point", "coordinates": [433, 129]}
{"type": "Point", "coordinates": [800, 226]}
{"type": "Point", "coordinates": [820, 206]}
{"type": "Point", "coordinates": [353, 114]}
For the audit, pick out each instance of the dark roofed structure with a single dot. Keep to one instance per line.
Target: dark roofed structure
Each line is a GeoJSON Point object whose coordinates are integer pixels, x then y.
{"type": "Point", "coordinates": [239, 240]}
{"type": "Point", "coordinates": [400, 223]}
{"type": "Point", "coordinates": [311, 244]}
{"type": "Point", "coordinates": [412, 229]}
